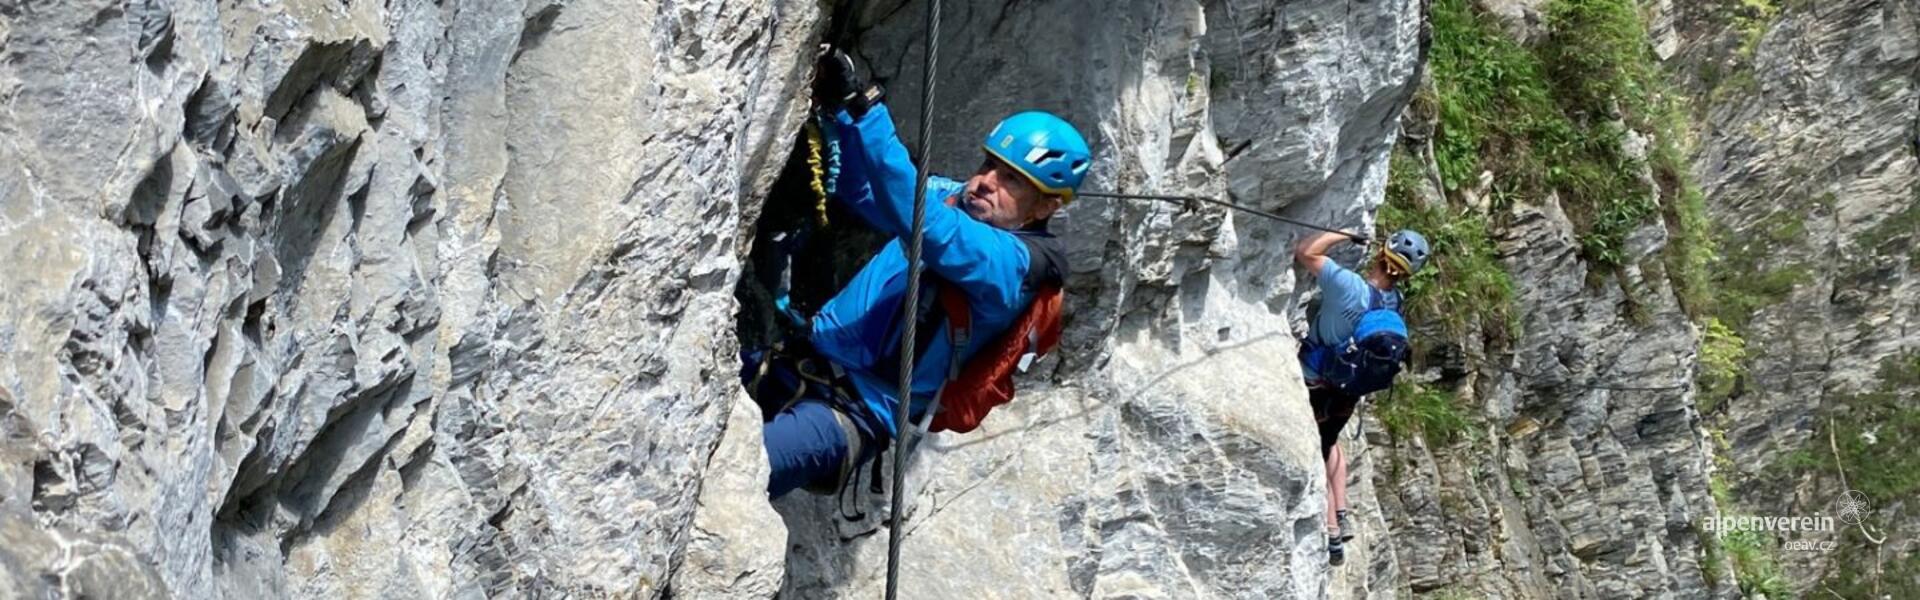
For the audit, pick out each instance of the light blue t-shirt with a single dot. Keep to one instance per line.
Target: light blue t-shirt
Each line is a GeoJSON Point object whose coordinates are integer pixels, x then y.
{"type": "Point", "coordinates": [1344, 296]}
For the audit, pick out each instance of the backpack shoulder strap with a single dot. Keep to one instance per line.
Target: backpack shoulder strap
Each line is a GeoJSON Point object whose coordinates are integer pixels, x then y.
{"type": "Point", "coordinates": [959, 319]}
{"type": "Point", "coordinates": [1049, 307]}
{"type": "Point", "coordinates": [1046, 275]}
{"type": "Point", "coordinates": [1046, 282]}
{"type": "Point", "coordinates": [1046, 260]}
{"type": "Point", "coordinates": [1379, 298]}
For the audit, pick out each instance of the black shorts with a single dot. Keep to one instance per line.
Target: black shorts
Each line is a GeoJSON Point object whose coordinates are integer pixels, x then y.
{"type": "Point", "coordinates": [1332, 409]}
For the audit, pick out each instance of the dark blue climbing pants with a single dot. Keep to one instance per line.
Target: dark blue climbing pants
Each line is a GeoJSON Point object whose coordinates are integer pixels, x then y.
{"type": "Point", "coordinates": [805, 444]}
{"type": "Point", "coordinates": [807, 437]}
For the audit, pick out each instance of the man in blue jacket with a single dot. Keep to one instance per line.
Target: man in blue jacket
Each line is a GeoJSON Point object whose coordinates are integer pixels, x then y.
{"type": "Point", "coordinates": [837, 395]}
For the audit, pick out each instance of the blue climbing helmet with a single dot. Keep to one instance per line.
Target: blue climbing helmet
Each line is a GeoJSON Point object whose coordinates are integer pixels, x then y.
{"type": "Point", "coordinates": [1407, 249]}
{"type": "Point", "coordinates": [1045, 148]}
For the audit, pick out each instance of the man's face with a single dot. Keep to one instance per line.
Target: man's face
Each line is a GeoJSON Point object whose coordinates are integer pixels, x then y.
{"type": "Point", "coordinates": [1386, 269]}
{"type": "Point", "coordinates": [1000, 196]}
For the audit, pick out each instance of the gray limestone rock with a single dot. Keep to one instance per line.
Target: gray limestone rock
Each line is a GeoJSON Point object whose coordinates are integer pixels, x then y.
{"type": "Point", "coordinates": [1588, 477]}
{"type": "Point", "coordinates": [53, 562]}
{"type": "Point", "coordinates": [737, 548]}
{"type": "Point", "coordinates": [1810, 158]}
{"type": "Point", "coordinates": [323, 298]}
{"type": "Point", "coordinates": [378, 299]}
{"type": "Point", "coordinates": [1168, 451]}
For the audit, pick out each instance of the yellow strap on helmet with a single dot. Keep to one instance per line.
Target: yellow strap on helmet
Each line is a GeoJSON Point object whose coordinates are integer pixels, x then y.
{"type": "Point", "coordinates": [1398, 266]}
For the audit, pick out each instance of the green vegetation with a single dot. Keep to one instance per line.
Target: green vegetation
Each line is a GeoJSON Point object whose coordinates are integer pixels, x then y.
{"type": "Point", "coordinates": [1454, 592]}
{"type": "Point", "coordinates": [1492, 98]}
{"type": "Point", "coordinates": [1884, 240]}
{"type": "Point", "coordinates": [1692, 249]}
{"type": "Point", "coordinates": [1873, 432]}
{"type": "Point", "coordinates": [1741, 293]}
{"type": "Point", "coordinates": [1711, 555]}
{"type": "Point", "coordinates": [1219, 81]}
{"type": "Point", "coordinates": [1741, 285]}
{"type": "Point", "coordinates": [1738, 290]}
{"type": "Point", "coordinates": [1754, 555]}
{"type": "Point", "coordinates": [1554, 118]}
{"type": "Point", "coordinates": [1464, 283]}
{"type": "Point", "coordinates": [1517, 483]}
{"type": "Point", "coordinates": [1756, 564]}
{"type": "Point", "coordinates": [1551, 119]}
{"type": "Point", "coordinates": [1723, 355]}
{"type": "Point", "coordinates": [1799, 459]}
{"type": "Point", "coordinates": [1749, 21]}
{"type": "Point", "coordinates": [1411, 408]}
{"type": "Point", "coordinates": [1751, 18]}
{"type": "Point", "coordinates": [1859, 574]}
{"type": "Point", "coordinates": [1870, 437]}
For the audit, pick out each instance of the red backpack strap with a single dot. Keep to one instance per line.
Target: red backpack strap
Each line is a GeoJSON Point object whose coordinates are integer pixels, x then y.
{"type": "Point", "coordinates": [986, 380]}
{"type": "Point", "coordinates": [1048, 311]}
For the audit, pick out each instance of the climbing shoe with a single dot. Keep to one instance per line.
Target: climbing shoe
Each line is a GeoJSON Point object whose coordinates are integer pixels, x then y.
{"type": "Point", "coordinates": [1336, 552]}
{"type": "Point", "coordinates": [1346, 527]}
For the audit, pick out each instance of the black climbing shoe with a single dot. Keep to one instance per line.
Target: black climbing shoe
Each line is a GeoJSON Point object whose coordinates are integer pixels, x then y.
{"type": "Point", "coordinates": [1346, 527]}
{"type": "Point", "coordinates": [1336, 552]}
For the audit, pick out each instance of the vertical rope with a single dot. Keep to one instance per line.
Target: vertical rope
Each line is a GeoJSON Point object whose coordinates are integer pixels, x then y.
{"type": "Point", "coordinates": [911, 310]}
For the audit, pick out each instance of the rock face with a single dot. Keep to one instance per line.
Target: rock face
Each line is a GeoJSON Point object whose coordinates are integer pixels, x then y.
{"type": "Point", "coordinates": [1582, 471]}
{"type": "Point", "coordinates": [51, 563]}
{"type": "Point", "coordinates": [376, 299]}
{"type": "Point", "coordinates": [344, 298]}
{"type": "Point", "coordinates": [1589, 476]}
{"type": "Point", "coordinates": [432, 299]}
{"type": "Point", "coordinates": [1168, 451]}
{"type": "Point", "coordinates": [1810, 157]}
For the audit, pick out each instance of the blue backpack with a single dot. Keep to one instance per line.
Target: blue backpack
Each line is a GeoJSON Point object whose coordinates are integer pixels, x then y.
{"type": "Point", "coordinates": [1368, 361]}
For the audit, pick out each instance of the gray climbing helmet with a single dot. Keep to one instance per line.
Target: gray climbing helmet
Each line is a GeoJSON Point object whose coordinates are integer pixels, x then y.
{"type": "Point", "coordinates": [1410, 246]}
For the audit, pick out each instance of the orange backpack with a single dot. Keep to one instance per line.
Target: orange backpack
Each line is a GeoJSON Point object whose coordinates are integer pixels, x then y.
{"type": "Point", "coordinates": [986, 380]}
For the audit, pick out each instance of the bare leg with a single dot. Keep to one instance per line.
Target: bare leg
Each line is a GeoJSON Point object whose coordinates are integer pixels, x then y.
{"type": "Point", "coordinates": [1336, 487]}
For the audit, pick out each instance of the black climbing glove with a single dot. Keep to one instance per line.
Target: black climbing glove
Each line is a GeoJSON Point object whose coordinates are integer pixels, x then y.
{"type": "Point", "coordinates": [1359, 238]}
{"type": "Point", "coordinates": [838, 84]}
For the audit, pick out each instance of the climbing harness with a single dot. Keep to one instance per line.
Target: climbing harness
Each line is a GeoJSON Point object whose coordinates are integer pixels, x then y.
{"type": "Point", "coordinates": [1359, 412]}
{"type": "Point", "coordinates": [904, 455]}
{"type": "Point", "coordinates": [1214, 201]}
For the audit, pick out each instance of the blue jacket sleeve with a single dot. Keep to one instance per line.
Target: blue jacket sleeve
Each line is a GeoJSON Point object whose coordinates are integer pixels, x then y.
{"type": "Point", "coordinates": [985, 261]}
{"type": "Point", "coordinates": [855, 189]}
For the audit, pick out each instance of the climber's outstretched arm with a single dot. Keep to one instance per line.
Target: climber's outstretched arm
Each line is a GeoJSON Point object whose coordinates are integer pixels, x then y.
{"type": "Point", "coordinates": [1311, 253]}
{"type": "Point", "coordinates": [988, 262]}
